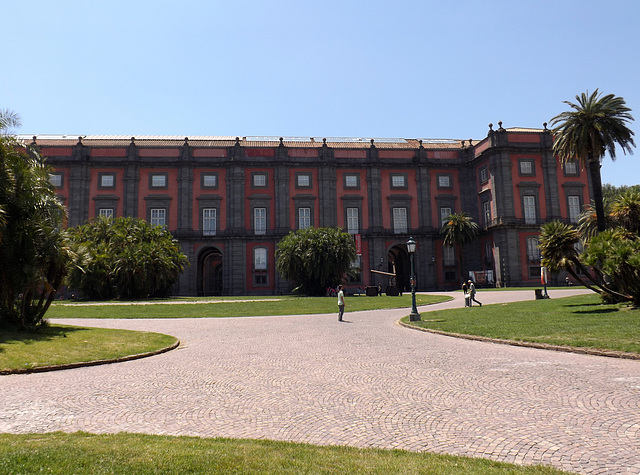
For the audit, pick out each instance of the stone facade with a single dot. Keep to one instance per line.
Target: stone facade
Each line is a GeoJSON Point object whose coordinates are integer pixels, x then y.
{"type": "Point", "coordinates": [230, 200]}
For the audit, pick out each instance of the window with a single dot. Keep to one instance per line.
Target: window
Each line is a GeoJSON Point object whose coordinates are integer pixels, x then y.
{"type": "Point", "coordinates": [355, 276]}
{"type": "Point", "coordinates": [353, 222]}
{"type": "Point", "coordinates": [574, 208]}
{"type": "Point", "coordinates": [484, 175]}
{"type": "Point", "coordinates": [158, 180]}
{"type": "Point", "coordinates": [158, 216]}
{"type": "Point", "coordinates": [107, 180]}
{"type": "Point", "coordinates": [445, 212]}
{"type": "Point", "coordinates": [351, 181]}
{"type": "Point", "coordinates": [526, 167]}
{"type": "Point", "coordinates": [571, 167]}
{"type": "Point", "coordinates": [209, 180]}
{"type": "Point", "coordinates": [529, 206]}
{"type": "Point", "coordinates": [449, 256]}
{"type": "Point", "coordinates": [260, 220]}
{"type": "Point", "coordinates": [533, 251]}
{"type": "Point", "coordinates": [260, 258]}
{"type": "Point", "coordinates": [303, 180]}
{"type": "Point", "coordinates": [56, 179]}
{"type": "Point", "coordinates": [488, 252]}
{"type": "Point", "coordinates": [105, 212]}
{"type": "Point", "coordinates": [260, 180]}
{"type": "Point", "coordinates": [304, 218]}
{"type": "Point", "coordinates": [399, 220]}
{"type": "Point", "coordinates": [486, 212]}
{"type": "Point", "coordinates": [209, 216]}
{"type": "Point", "coordinates": [398, 181]}
{"type": "Point", "coordinates": [444, 181]}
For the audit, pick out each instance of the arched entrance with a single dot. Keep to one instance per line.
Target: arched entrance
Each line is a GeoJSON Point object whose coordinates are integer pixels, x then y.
{"type": "Point", "coordinates": [398, 262]}
{"type": "Point", "coordinates": [210, 272]}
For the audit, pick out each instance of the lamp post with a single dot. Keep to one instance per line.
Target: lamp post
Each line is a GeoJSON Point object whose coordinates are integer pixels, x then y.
{"type": "Point", "coordinates": [414, 316]}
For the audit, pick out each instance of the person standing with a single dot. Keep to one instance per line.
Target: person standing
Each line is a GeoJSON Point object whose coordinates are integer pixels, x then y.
{"type": "Point", "coordinates": [340, 303]}
{"type": "Point", "coordinates": [472, 293]}
{"type": "Point", "coordinates": [465, 292]}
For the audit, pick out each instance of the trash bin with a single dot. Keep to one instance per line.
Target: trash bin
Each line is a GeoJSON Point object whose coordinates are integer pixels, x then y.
{"type": "Point", "coordinates": [372, 291]}
{"type": "Point", "coordinates": [539, 294]}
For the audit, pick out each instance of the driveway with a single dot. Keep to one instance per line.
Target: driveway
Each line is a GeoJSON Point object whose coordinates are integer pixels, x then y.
{"type": "Point", "coordinates": [366, 383]}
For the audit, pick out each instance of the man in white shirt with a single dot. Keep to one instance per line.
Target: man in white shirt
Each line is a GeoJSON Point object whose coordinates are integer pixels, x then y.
{"type": "Point", "coordinates": [340, 303]}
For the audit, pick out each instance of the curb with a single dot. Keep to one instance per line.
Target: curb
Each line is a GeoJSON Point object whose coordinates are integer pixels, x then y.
{"type": "Point", "coordinates": [82, 364]}
{"type": "Point", "coordinates": [528, 344]}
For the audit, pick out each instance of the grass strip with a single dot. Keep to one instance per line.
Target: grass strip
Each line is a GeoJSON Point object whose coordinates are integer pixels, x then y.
{"type": "Point", "coordinates": [82, 453]}
{"type": "Point", "coordinates": [580, 321]}
{"type": "Point", "coordinates": [275, 306]}
{"type": "Point", "coordinates": [55, 345]}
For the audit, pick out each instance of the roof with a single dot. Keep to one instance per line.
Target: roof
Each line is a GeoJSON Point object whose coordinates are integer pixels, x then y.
{"type": "Point", "coordinates": [246, 141]}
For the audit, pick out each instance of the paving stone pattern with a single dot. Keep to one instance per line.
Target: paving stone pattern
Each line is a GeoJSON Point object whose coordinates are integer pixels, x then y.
{"type": "Point", "coordinates": [366, 382]}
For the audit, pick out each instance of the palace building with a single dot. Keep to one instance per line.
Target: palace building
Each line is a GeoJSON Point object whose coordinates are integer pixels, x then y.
{"type": "Point", "coordinates": [229, 200]}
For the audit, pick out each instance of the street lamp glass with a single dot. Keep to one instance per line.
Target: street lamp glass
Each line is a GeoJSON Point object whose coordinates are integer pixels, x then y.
{"type": "Point", "coordinates": [411, 246]}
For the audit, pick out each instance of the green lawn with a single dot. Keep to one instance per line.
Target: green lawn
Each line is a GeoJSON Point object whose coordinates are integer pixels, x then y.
{"type": "Point", "coordinates": [82, 453]}
{"type": "Point", "coordinates": [580, 321]}
{"type": "Point", "coordinates": [256, 306]}
{"type": "Point", "coordinates": [62, 344]}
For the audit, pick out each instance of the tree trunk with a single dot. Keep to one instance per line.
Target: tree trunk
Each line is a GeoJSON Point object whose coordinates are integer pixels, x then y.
{"type": "Point", "coordinates": [596, 181]}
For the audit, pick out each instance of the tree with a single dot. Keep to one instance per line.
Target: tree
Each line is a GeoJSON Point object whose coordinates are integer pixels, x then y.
{"type": "Point", "coordinates": [315, 258]}
{"type": "Point", "coordinates": [125, 258]}
{"type": "Point", "coordinates": [458, 230]}
{"type": "Point", "coordinates": [594, 127]}
{"type": "Point", "coordinates": [34, 254]}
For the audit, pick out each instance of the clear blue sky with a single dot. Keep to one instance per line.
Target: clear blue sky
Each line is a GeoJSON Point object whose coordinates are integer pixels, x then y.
{"type": "Point", "coordinates": [412, 69]}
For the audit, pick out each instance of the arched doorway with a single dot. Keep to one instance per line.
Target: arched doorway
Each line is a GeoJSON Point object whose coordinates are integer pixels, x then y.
{"type": "Point", "coordinates": [210, 272]}
{"type": "Point", "coordinates": [398, 262]}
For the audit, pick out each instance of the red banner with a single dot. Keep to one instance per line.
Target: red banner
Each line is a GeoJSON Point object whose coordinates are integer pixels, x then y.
{"type": "Point", "coordinates": [358, 239]}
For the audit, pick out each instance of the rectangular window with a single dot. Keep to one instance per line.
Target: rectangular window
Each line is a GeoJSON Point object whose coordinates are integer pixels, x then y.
{"type": "Point", "coordinates": [107, 180]}
{"type": "Point", "coordinates": [260, 258]}
{"type": "Point", "coordinates": [484, 175]}
{"type": "Point", "coordinates": [445, 212]}
{"type": "Point", "coordinates": [355, 276]}
{"type": "Point", "coordinates": [399, 220]}
{"type": "Point", "coordinates": [353, 223]}
{"type": "Point", "coordinates": [533, 251]}
{"type": "Point", "coordinates": [486, 212]}
{"type": "Point", "coordinates": [398, 181]}
{"type": "Point", "coordinates": [260, 279]}
{"type": "Point", "coordinates": [526, 167]}
{"type": "Point", "coordinates": [529, 204]}
{"type": "Point", "coordinates": [449, 255]}
{"type": "Point", "coordinates": [260, 220]}
{"type": "Point", "coordinates": [303, 180]}
{"type": "Point", "coordinates": [488, 252]}
{"type": "Point", "coordinates": [571, 168]}
{"type": "Point", "coordinates": [209, 216]}
{"type": "Point", "coordinates": [158, 216]}
{"type": "Point", "coordinates": [444, 181]}
{"type": "Point", "coordinates": [260, 180]}
{"type": "Point", "coordinates": [574, 208]}
{"type": "Point", "coordinates": [304, 218]}
{"type": "Point", "coordinates": [209, 180]}
{"type": "Point", "coordinates": [105, 213]}
{"type": "Point", "coordinates": [351, 181]}
{"type": "Point", "coordinates": [56, 179]}
{"type": "Point", "coordinates": [159, 180]}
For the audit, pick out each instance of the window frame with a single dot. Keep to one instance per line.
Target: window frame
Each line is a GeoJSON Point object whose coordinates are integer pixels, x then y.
{"type": "Point", "coordinates": [486, 212]}
{"type": "Point", "coordinates": [350, 219]}
{"type": "Point", "coordinates": [158, 211]}
{"type": "Point", "coordinates": [532, 164]}
{"type": "Point", "coordinates": [346, 185]}
{"type": "Point", "coordinates": [306, 175]}
{"type": "Point", "coordinates": [203, 180]}
{"type": "Point", "coordinates": [573, 217]}
{"type": "Point", "coordinates": [449, 179]}
{"type": "Point", "coordinates": [304, 217]}
{"type": "Point", "coordinates": [257, 175]}
{"type": "Point", "coordinates": [165, 177]}
{"type": "Point", "coordinates": [484, 175]}
{"type": "Point", "coordinates": [56, 175]}
{"type": "Point", "coordinates": [575, 172]}
{"type": "Point", "coordinates": [443, 217]}
{"type": "Point", "coordinates": [396, 186]}
{"type": "Point", "coordinates": [527, 217]}
{"type": "Point", "coordinates": [533, 249]}
{"type": "Point", "coordinates": [106, 215]}
{"type": "Point", "coordinates": [402, 229]}
{"type": "Point", "coordinates": [262, 229]}
{"type": "Point", "coordinates": [209, 219]}
{"type": "Point", "coordinates": [102, 176]}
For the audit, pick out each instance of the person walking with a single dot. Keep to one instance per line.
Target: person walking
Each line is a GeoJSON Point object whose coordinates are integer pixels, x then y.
{"type": "Point", "coordinates": [472, 293]}
{"type": "Point", "coordinates": [465, 292]}
{"type": "Point", "coordinates": [340, 303]}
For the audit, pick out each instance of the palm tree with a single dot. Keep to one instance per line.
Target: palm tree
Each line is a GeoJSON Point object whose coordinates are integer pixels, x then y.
{"type": "Point", "coordinates": [458, 230]}
{"type": "Point", "coordinates": [558, 242]}
{"type": "Point", "coordinates": [625, 211]}
{"type": "Point", "coordinates": [594, 127]}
